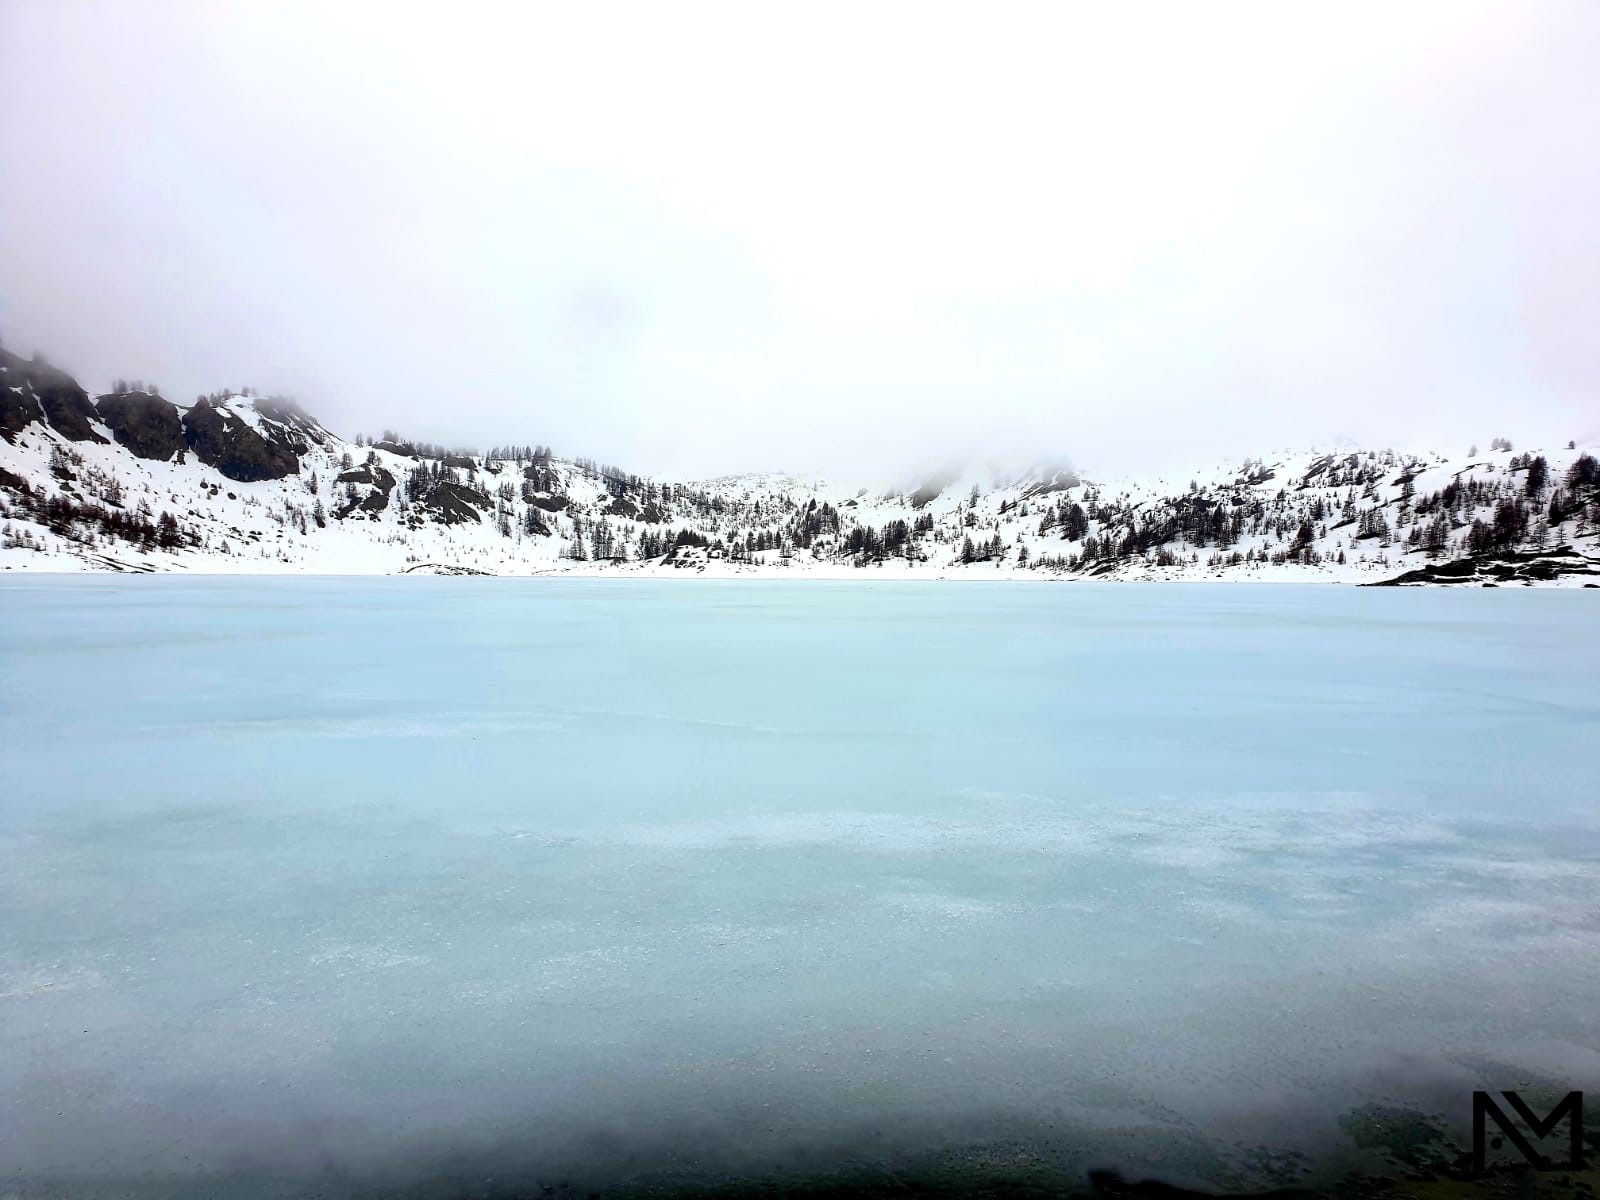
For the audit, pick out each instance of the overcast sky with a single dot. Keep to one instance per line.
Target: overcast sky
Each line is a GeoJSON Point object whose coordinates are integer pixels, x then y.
{"type": "Point", "coordinates": [700, 238]}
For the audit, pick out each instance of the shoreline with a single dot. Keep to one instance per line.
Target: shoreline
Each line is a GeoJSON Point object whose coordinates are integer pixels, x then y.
{"type": "Point", "coordinates": [856, 575]}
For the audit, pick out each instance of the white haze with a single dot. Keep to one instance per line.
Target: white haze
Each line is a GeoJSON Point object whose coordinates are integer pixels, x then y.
{"type": "Point", "coordinates": [701, 238]}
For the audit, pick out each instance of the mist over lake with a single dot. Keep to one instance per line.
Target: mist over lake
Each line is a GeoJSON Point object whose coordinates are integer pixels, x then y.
{"type": "Point", "coordinates": [477, 886]}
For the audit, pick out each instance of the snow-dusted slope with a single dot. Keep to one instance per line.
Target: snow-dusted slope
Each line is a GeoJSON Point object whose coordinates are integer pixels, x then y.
{"type": "Point", "coordinates": [245, 484]}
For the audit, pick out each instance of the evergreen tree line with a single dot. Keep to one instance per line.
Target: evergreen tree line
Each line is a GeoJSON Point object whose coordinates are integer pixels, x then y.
{"type": "Point", "coordinates": [81, 522]}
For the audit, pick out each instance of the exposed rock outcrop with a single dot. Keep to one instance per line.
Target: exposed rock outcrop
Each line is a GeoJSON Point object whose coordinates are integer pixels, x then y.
{"type": "Point", "coordinates": [224, 440]}
{"type": "Point", "coordinates": [1059, 479]}
{"type": "Point", "coordinates": [932, 489]}
{"type": "Point", "coordinates": [1511, 566]}
{"type": "Point", "coordinates": [452, 503]}
{"type": "Point", "coordinates": [31, 390]}
{"type": "Point", "coordinates": [290, 425]}
{"type": "Point", "coordinates": [380, 484]}
{"type": "Point", "coordinates": [146, 424]}
{"type": "Point", "coordinates": [19, 407]}
{"type": "Point", "coordinates": [66, 405]}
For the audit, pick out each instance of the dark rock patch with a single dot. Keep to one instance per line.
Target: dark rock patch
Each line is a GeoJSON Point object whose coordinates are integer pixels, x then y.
{"type": "Point", "coordinates": [444, 569]}
{"type": "Point", "coordinates": [932, 489]}
{"type": "Point", "coordinates": [224, 441]}
{"type": "Point", "coordinates": [32, 390]}
{"type": "Point", "coordinates": [1509, 566]}
{"type": "Point", "coordinates": [452, 503]}
{"type": "Point", "coordinates": [65, 404]}
{"type": "Point", "coordinates": [1060, 480]}
{"type": "Point", "coordinates": [292, 426]}
{"type": "Point", "coordinates": [620, 506]}
{"type": "Point", "coordinates": [147, 425]}
{"type": "Point", "coordinates": [19, 407]}
{"type": "Point", "coordinates": [550, 504]}
{"type": "Point", "coordinates": [375, 501]}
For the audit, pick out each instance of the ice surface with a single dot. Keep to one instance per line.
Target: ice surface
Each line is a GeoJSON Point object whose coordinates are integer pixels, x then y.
{"type": "Point", "coordinates": [408, 882]}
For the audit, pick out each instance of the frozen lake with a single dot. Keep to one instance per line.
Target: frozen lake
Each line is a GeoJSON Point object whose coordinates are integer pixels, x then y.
{"type": "Point", "coordinates": [415, 884]}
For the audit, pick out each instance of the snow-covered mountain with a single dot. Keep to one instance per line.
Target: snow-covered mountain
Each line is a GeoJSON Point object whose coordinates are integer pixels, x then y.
{"type": "Point", "coordinates": [243, 483]}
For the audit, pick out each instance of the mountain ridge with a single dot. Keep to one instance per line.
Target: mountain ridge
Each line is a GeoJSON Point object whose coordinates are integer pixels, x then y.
{"type": "Point", "coordinates": [237, 482]}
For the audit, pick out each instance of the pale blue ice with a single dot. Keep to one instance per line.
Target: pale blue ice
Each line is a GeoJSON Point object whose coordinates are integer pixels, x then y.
{"type": "Point", "coordinates": [338, 883]}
